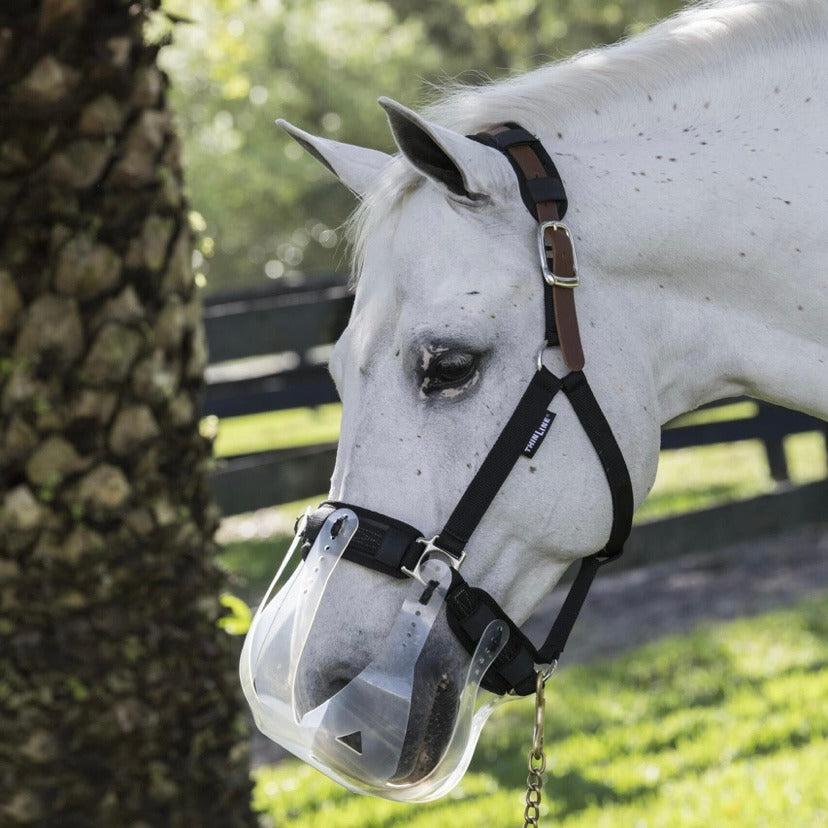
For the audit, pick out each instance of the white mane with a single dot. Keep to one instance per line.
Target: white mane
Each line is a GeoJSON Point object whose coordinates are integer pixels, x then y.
{"type": "Point", "coordinates": [688, 45]}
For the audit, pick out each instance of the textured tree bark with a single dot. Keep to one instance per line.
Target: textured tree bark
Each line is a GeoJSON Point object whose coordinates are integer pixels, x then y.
{"type": "Point", "coordinates": [118, 693]}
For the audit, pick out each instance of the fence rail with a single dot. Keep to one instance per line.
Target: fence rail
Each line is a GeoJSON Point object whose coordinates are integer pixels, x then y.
{"type": "Point", "coordinates": [268, 352]}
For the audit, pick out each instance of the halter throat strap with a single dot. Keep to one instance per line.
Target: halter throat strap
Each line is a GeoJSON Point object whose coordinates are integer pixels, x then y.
{"type": "Point", "coordinates": [396, 549]}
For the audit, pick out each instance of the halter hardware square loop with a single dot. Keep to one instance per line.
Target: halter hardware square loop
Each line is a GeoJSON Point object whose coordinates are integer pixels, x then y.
{"type": "Point", "coordinates": [430, 548]}
{"type": "Point", "coordinates": [549, 277]}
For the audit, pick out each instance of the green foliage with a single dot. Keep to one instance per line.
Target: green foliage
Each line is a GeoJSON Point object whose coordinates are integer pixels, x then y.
{"type": "Point", "coordinates": [268, 209]}
{"type": "Point", "coordinates": [726, 727]}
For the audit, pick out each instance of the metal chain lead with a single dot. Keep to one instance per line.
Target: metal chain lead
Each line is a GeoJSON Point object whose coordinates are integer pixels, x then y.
{"type": "Point", "coordinates": [537, 759]}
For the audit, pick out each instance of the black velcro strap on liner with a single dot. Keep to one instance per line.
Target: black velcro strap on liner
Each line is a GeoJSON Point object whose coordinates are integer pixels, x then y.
{"type": "Point", "coordinates": [469, 611]}
{"type": "Point", "coordinates": [380, 543]}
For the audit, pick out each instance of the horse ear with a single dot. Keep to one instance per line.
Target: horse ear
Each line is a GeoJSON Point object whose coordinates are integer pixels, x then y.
{"type": "Point", "coordinates": [356, 167]}
{"type": "Point", "coordinates": [460, 165]}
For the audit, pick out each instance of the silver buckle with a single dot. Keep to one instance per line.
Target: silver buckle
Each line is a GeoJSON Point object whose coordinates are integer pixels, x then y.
{"type": "Point", "coordinates": [549, 277]}
{"type": "Point", "coordinates": [430, 548]}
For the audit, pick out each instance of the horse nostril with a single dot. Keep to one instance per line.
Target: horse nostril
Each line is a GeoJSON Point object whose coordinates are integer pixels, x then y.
{"type": "Point", "coordinates": [336, 684]}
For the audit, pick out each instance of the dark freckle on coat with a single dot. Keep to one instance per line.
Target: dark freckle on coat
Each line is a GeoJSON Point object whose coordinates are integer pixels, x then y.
{"type": "Point", "coordinates": [419, 472]}
{"type": "Point", "coordinates": [468, 465]}
{"type": "Point", "coordinates": [707, 104]}
{"type": "Point", "coordinates": [741, 253]}
{"type": "Point", "coordinates": [596, 111]}
{"type": "Point", "coordinates": [671, 159]}
{"type": "Point", "coordinates": [775, 90]}
{"type": "Point", "coordinates": [492, 316]}
{"type": "Point", "coordinates": [642, 173]}
{"type": "Point", "coordinates": [675, 107]}
{"type": "Point", "coordinates": [398, 352]}
{"type": "Point", "coordinates": [807, 100]}
{"type": "Point", "coordinates": [637, 190]}
{"type": "Point", "coordinates": [703, 143]}
{"type": "Point", "coordinates": [799, 307]}
{"type": "Point", "coordinates": [659, 157]}
{"type": "Point", "coordinates": [533, 469]}
{"type": "Point", "coordinates": [649, 97]}
{"type": "Point", "coordinates": [473, 293]}
{"type": "Point", "coordinates": [786, 201]}
{"type": "Point", "coordinates": [560, 135]}
{"type": "Point", "coordinates": [661, 286]}
{"type": "Point", "coordinates": [706, 298]}
{"type": "Point", "coordinates": [797, 250]}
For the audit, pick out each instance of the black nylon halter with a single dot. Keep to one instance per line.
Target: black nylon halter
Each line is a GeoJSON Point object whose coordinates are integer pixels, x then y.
{"type": "Point", "coordinates": [395, 548]}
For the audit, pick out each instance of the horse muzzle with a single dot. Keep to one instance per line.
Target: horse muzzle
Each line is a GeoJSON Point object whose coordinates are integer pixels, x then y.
{"type": "Point", "coordinates": [360, 735]}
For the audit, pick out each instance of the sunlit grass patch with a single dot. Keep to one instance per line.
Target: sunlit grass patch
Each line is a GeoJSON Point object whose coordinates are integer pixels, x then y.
{"type": "Point", "coordinates": [703, 476]}
{"type": "Point", "coordinates": [727, 726]}
{"type": "Point", "coordinates": [278, 429]}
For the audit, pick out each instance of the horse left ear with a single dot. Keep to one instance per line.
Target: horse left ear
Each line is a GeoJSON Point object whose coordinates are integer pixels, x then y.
{"type": "Point", "coordinates": [455, 162]}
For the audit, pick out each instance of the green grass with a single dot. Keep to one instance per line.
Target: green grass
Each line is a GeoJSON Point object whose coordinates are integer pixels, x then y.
{"type": "Point", "coordinates": [276, 429]}
{"type": "Point", "coordinates": [694, 478]}
{"type": "Point", "coordinates": [726, 727]}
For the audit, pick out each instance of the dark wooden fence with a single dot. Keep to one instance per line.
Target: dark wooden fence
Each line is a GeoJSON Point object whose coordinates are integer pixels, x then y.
{"type": "Point", "coordinates": [268, 351]}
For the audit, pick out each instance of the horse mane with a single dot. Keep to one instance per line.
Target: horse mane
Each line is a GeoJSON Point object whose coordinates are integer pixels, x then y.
{"type": "Point", "coordinates": [685, 45]}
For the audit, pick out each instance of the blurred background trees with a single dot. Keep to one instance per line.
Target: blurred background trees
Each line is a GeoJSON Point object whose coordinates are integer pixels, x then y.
{"type": "Point", "coordinates": [265, 210]}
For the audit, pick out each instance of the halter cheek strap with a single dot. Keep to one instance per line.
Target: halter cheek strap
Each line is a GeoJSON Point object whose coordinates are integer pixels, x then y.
{"type": "Point", "coordinates": [543, 194]}
{"type": "Point", "coordinates": [395, 548]}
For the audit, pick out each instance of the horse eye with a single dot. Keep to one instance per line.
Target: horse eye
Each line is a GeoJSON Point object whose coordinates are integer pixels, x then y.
{"type": "Point", "coordinates": [449, 370]}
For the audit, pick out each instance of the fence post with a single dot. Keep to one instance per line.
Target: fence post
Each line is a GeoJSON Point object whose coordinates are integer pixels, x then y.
{"type": "Point", "coordinates": [774, 446]}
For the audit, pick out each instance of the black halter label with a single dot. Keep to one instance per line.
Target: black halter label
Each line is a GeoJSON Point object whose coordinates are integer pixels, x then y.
{"type": "Point", "coordinates": [538, 434]}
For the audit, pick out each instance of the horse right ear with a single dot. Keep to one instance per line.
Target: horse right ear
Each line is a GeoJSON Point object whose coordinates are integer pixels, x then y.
{"type": "Point", "coordinates": [356, 167]}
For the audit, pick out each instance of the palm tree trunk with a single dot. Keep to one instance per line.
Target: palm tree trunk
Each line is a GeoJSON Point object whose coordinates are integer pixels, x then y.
{"type": "Point", "coordinates": [118, 693]}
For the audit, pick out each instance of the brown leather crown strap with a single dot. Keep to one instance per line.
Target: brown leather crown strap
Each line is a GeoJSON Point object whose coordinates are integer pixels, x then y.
{"type": "Point", "coordinates": [559, 252]}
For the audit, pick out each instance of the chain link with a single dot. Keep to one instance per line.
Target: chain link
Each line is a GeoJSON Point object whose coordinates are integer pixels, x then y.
{"type": "Point", "coordinates": [537, 759]}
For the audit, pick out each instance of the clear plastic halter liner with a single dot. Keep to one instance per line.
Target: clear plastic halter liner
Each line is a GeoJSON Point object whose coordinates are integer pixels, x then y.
{"type": "Point", "coordinates": [357, 736]}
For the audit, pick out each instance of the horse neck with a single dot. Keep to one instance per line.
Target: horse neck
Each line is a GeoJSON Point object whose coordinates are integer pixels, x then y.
{"type": "Point", "coordinates": [702, 218]}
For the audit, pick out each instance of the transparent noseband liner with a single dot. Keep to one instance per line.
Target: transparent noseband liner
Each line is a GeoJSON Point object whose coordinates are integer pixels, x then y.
{"type": "Point", "coordinates": [356, 736]}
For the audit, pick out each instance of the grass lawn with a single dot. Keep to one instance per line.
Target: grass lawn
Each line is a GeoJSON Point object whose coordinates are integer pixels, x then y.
{"type": "Point", "coordinates": [726, 727]}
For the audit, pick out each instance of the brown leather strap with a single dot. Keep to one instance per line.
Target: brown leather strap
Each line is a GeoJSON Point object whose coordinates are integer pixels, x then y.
{"type": "Point", "coordinates": [562, 255]}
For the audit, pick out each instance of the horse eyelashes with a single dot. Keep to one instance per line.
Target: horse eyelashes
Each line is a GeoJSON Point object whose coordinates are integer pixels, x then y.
{"type": "Point", "coordinates": [449, 370]}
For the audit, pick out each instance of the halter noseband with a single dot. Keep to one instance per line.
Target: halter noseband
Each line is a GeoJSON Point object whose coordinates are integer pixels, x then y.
{"type": "Point", "coordinates": [397, 549]}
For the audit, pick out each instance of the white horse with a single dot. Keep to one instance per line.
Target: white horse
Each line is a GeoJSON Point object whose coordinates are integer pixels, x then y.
{"type": "Point", "coordinates": [695, 159]}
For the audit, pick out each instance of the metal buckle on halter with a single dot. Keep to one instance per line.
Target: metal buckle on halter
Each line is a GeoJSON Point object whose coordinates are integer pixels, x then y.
{"type": "Point", "coordinates": [430, 548]}
{"type": "Point", "coordinates": [549, 277]}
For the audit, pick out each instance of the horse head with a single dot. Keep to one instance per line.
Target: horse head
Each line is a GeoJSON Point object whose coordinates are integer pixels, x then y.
{"type": "Point", "coordinates": [446, 331]}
